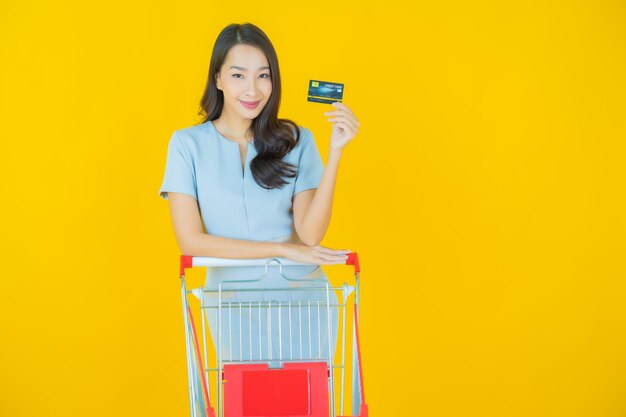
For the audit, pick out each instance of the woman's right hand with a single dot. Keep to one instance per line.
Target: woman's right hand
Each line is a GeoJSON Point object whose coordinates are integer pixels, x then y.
{"type": "Point", "coordinates": [318, 255]}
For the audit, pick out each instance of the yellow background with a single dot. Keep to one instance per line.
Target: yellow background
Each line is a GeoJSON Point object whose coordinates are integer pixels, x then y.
{"type": "Point", "coordinates": [484, 194]}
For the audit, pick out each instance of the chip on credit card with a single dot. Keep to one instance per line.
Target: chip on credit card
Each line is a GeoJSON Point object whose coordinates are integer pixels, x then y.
{"type": "Point", "coordinates": [324, 92]}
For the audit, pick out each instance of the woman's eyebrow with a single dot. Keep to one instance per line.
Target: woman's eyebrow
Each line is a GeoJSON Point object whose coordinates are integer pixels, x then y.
{"type": "Point", "coordinates": [244, 69]}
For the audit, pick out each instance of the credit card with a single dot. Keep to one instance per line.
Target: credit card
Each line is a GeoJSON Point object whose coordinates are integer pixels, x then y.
{"type": "Point", "coordinates": [324, 92]}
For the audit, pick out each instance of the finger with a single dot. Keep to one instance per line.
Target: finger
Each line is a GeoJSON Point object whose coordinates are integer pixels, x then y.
{"type": "Point", "coordinates": [340, 105]}
{"type": "Point", "coordinates": [341, 262]}
{"type": "Point", "coordinates": [349, 116]}
{"type": "Point", "coordinates": [332, 263]}
{"type": "Point", "coordinates": [347, 128]}
{"type": "Point", "coordinates": [333, 258]}
{"type": "Point", "coordinates": [332, 254]}
{"type": "Point", "coordinates": [342, 112]}
{"type": "Point", "coordinates": [345, 120]}
{"type": "Point", "coordinates": [325, 262]}
{"type": "Point", "coordinates": [323, 249]}
{"type": "Point", "coordinates": [347, 110]}
{"type": "Point", "coordinates": [333, 251]}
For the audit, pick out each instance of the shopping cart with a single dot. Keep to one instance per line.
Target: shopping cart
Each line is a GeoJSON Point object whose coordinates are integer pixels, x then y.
{"type": "Point", "coordinates": [289, 378]}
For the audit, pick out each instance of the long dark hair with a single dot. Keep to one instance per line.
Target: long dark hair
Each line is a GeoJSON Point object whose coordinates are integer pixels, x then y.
{"type": "Point", "coordinates": [273, 137]}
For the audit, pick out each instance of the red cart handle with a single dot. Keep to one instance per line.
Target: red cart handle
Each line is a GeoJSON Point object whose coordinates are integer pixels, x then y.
{"type": "Point", "coordinates": [353, 259]}
{"type": "Point", "coordinates": [186, 261]}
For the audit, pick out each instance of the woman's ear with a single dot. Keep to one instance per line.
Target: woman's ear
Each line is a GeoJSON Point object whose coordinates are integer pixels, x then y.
{"type": "Point", "coordinates": [217, 81]}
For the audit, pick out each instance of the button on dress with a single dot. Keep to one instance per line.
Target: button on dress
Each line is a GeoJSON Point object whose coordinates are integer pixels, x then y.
{"type": "Point", "coordinates": [207, 166]}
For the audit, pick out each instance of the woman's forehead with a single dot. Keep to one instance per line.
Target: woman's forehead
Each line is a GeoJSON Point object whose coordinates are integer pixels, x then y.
{"type": "Point", "coordinates": [246, 58]}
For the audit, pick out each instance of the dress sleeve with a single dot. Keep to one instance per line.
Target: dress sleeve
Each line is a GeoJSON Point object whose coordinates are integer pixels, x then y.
{"type": "Point", "coordinates": [179, 174]}
{"type": "Point", "coordinates": [310, 166]}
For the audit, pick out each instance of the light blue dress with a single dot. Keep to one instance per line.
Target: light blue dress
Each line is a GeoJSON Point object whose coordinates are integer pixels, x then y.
{"type": "Point", "coordinates": [207, 166]}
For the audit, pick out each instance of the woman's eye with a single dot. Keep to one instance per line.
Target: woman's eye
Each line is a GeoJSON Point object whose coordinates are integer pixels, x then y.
{"type": "Point", "coordinates": [240, 75]}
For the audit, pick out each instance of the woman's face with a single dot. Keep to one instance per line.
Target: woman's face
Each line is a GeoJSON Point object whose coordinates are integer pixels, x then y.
{"type": "Point", "coordinates": [245, 79]}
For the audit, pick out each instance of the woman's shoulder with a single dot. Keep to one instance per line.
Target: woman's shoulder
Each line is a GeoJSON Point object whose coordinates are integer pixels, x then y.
{"type": "Point", "coordinates": [306, 135]}
{"type": "Point", "coordinates": [196, 133]}
{"type": "Point", "coordinates": [304, 144]}
{"type": "Point", "coordinates": [193, 139]}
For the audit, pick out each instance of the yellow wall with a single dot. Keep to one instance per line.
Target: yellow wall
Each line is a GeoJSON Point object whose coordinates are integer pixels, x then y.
{"type": "Point", "coordinates": [484, 194]}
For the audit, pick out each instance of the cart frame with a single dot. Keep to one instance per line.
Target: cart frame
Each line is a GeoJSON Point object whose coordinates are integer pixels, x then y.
{"type": "Point", "coordinates": [198, 368]}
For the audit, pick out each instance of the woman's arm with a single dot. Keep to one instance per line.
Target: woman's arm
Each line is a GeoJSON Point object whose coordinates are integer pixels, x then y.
{"type": "Point", "coordinates": [193, 241]}
{"type": "Point", "coordinates": [312, 208]}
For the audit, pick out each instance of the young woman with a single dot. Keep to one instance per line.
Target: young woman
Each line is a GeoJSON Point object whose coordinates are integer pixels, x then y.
{"type": "Point", "coordinates": [256, 183]}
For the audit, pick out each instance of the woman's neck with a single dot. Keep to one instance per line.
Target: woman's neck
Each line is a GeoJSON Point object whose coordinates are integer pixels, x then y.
{"type": "Point", "coordinates": [234, 128]}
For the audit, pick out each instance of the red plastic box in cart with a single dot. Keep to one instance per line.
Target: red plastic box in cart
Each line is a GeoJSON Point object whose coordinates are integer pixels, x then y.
{"type": "Point", "coordinates": [291, 381]}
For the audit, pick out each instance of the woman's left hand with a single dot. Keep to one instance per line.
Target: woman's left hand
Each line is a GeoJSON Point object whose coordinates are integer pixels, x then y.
{"type": "Point", "coordinates": [345, 125]}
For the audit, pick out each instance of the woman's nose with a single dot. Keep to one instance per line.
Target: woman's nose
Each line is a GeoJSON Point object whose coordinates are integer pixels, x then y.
{"type": "Point", "coordinates": [251, 88]}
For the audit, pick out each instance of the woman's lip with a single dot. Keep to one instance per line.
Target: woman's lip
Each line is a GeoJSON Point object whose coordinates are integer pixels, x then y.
{"type": "Point", "coordinates": [250, 104]}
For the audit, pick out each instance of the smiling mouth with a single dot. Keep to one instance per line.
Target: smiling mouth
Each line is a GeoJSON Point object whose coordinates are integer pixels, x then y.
{"type": "Point", "coordinates": [250, 104]}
